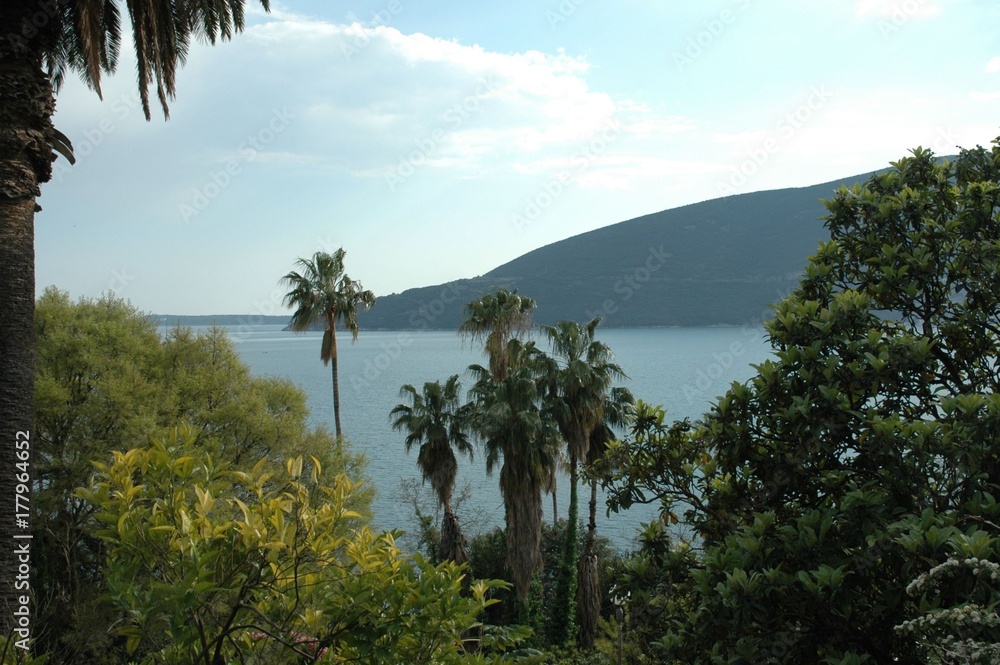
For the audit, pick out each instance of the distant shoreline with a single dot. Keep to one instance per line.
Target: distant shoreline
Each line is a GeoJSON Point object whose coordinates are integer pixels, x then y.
{"type": "Point", "coordinates": [228, 320]}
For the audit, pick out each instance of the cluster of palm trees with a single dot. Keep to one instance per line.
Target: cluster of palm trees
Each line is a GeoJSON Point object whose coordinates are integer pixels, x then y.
{"type": "Point", "coordinates": [526, 407]}
{"type": "Point", "coordinates": [529, 409]}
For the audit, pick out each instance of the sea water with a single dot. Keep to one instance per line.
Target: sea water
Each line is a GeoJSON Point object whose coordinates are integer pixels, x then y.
{"type": "Point", "coordinates": [683, 369]}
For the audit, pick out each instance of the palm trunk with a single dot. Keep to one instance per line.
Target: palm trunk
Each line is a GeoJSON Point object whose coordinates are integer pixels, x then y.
{"type": "Point", "coordinates": [589, 597]}
{"type": "Point", "coordinates": [336, 381]}
{"type": "Point", "coordinates": [453, 546]}
{"type": "Point", "coordinates": [555, 503]}
{"type": "Point", "coordinates": [564, 617]}
{"type": "Point", "coordinates": [524, 529]}
{"type": "Point", "coordinates": [26, 108]}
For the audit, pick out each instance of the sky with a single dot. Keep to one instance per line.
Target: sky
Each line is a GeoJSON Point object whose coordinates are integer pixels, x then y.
{"type": "Point", "coordinates": [437, 140]}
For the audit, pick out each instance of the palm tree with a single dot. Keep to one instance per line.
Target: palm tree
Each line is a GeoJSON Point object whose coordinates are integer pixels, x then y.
{"type": "Point", "coordinates": [42, 40]}
{"type": "Point", "coordinates": [579, 376]}
{"type": "Point", "coordinates": [323, 292]}
{"type": "Point", "coordinates": [512, 426]}
{"type": "Point", "coordinates": [496, 319]}
{"type": "Point", "coordinates": [439, 424]}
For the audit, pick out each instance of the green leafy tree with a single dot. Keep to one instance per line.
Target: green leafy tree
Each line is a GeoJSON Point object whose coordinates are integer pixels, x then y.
{"type": "Point", "coordinates": [837, 474]}
{"type": "Point", "coordinates": [268, 566]}
{"type": "Point", "coordinates": [44, 40]}
{"type": "Point", "coordinates": [510, 422]}
{"type": "Point", "coordinates": [105, 380]}
{"type": "Point", "coordinates": [322, 292]}
{"type": "Point", "coordinates": [579, 372]}
{"type": "Point", "coordinates": [439, 424]}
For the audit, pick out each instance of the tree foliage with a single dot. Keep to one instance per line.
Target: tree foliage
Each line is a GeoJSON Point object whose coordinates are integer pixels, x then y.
{"type": "Point", "coordinates": [861, 455]}
{"type": "Point", "coordinates": [270, 566]}
{"type": "Point", "coordinates": [105, 381]}
{"type": "Point", "coordinates": [43, 40]}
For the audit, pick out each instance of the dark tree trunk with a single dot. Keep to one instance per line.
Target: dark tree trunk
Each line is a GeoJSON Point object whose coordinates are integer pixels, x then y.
{"type": "Point", "coordinates": [336, 383]}
{"type": "Point", "coordinates": [452, 542]}
{"type": "Point", "coordinates": [336, 397]}
{"type": "Point", "coordinates": [555, 502]}
{"type": "Point", "coordinates": [26, 108]}
{"type": "Point", "coordinates": [524, 530]}
{"type": "Point", "coordinates": [563, 628]}
{"type": "Point", "coordinates": [453, 545]}
{"type": "Point", "coordinates": [589, 592]}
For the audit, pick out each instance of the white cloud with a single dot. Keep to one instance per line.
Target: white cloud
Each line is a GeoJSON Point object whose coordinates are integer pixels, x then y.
{"type": "Point", "coordinates": [370, 100]}
{"type": "Point", "coordinates": [993, 66]}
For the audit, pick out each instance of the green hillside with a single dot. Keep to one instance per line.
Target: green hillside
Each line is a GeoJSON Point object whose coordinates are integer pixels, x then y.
{"type": "Point", "coordinates": [719, 262]}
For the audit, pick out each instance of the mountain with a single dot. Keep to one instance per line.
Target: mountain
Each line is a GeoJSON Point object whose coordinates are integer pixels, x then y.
{"type": "Point", "coordinates": [719, 262]}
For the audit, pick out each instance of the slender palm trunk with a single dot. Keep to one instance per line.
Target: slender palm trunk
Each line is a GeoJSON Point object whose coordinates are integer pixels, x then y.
{"type": "Point", "coordinates": [589, 596]}
{"type": "Point", "coordinates": [26, 108]}
{"type": "Point", "coordinates": [555, 502]}
{"type": "Point", "coordinates": [564, 617]}
{"type": "Point", "coordinates": [336, 381]}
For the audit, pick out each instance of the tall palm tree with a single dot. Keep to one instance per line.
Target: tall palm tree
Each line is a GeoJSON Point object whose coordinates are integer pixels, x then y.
{"type": "Point", "coordinates": [42, 41]}
{"type": "Point", "coordinates": [512, 426]}
{"type": "Point", "coordinates": [580, 372]}
{"type": "Point", "coordinates": [438, 422]}
{"type": "Point", "coordinates": [322, 291]}
{"type": "Point", "coordinates": [496, 319]}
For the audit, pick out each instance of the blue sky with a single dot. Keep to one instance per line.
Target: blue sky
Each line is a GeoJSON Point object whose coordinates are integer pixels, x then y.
{"type": "Point", "coordinates": [437, 140]}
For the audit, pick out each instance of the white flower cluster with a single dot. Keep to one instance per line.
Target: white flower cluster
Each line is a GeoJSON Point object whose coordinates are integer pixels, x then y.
{"type": "Point", "coordinates": [952, 617]}
{"type": "Point", "coordinates": [969, 651]}
{"type": "Point", "coordinates": [982, 568]}
{"type": "Point", "coordinates": [946, 625]}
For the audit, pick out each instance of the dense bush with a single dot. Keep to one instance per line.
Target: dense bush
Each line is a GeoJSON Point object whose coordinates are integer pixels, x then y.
{"type": "Point", "coordinates": [863, 454]}
{"type": "Point", "coordinates": [106, 380]}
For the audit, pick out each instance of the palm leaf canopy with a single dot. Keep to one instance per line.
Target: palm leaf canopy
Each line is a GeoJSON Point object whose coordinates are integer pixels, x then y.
{"type": "Point", "coordinates": [321, 291]}
{"type": "Point", "coordinates": [85, 36]}
{"type": "Point", "coordinates": [509, 418]}
{"type": "Point", "coordinates": [438, 422]}
{"type": "Point", "coordinates": [579, 378]}
{"type": "Point", "coordinates": [496, 319]}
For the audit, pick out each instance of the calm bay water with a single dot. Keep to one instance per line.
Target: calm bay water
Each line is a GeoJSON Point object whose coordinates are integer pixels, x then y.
{"type": "Point", "coordinates": [684, 369]}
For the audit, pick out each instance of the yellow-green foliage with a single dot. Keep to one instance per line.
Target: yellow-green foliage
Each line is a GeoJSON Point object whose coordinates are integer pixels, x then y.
{"type": "Point", "coordinates": [268, 566]}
